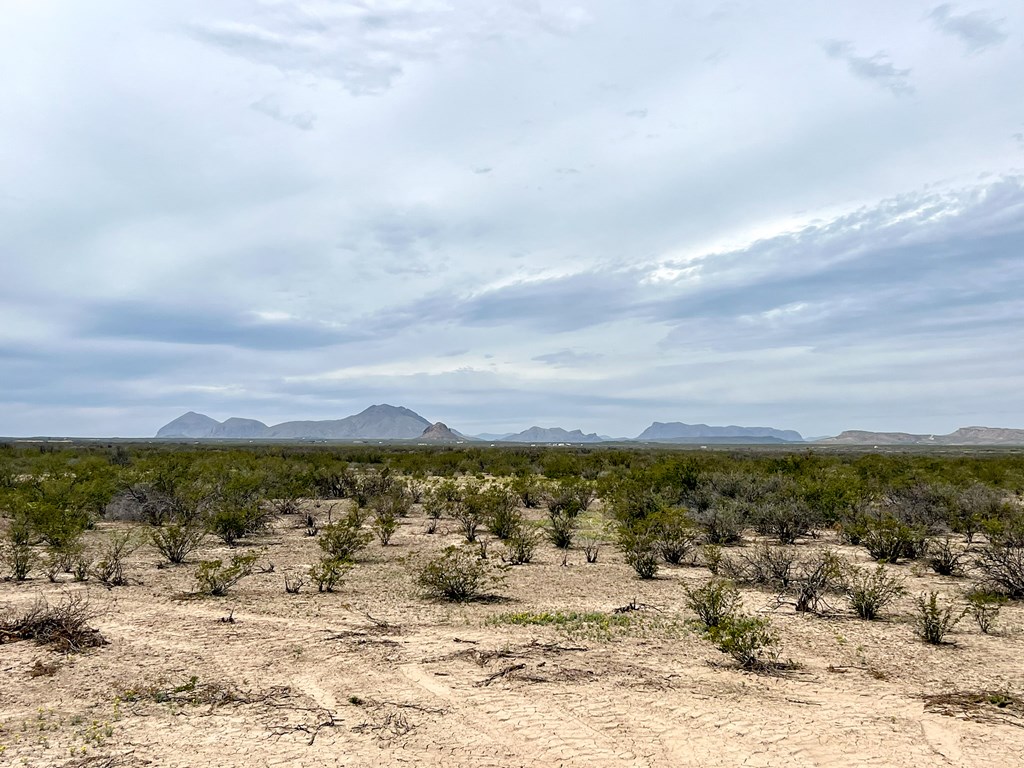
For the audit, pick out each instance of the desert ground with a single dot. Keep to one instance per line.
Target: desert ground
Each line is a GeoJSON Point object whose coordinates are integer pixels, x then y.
{"type": "Point", "coordinates": [376, 674]}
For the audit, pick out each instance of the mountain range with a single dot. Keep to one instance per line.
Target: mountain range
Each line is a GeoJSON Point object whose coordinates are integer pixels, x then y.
{"type": "Point", "coordinates": [389, 422]}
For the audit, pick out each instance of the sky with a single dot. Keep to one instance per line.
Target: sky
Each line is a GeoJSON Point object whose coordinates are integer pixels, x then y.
{"type": "Point", "coordinates": [594, 215]}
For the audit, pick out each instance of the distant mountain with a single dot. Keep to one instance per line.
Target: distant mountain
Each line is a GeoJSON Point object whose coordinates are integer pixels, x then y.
{"type": "Point", "coordinates": [240, 428]}
{"type": "Point", "coordinates": [378, 422]}
{"type": "Point", "coordinates": [439, 433]}
{"type": "Point", "coordinates": [962, 436]}
{"type": "Point", "coordinates": [492, 436]}
{"type": "Point", "coordinates": [677, 432]}
{"type": "Point", "coordinates": [189, 424]}
{"type": "Point", "coordinates": [551, 435]}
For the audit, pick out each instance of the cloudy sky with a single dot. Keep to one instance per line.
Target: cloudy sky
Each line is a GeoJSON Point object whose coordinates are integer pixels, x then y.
{"type": "Point", "coordinates": [588, 214]}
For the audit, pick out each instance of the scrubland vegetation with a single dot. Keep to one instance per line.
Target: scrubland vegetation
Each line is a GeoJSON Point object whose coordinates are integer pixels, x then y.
{"type": "Point", "coordinates": [933, 544]}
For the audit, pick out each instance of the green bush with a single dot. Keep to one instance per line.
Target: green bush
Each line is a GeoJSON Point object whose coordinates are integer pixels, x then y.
{"type": "Point", "coordinates": [231, 522]}
{"type": "Point", "coordinates": [749, 640]}
{"type": "Point", "coordinates": [19, 558]}
{"type": "Point", "coordinates": [110, 568]}
{"type": "Point", "coordinates": [639, 547]}
{"type": "Point", "coordinates": [328, 572]}
{"type": "Point", "coordinates": [177, 541]}
{"type": "Point", "coordinates": [520, 545]}
{"type": "Point", "coordinates": [456, 575]}
{"type": "Point", "coordinates": [345, 539]}
{"type": "Point", "coordinates": [984, 607]}
{"type": "Point", "coordinates": [946, 559]}
{"type": "Point", "coordinates": [562, 528]}
{"type": "Point", "coordinates": [713, 602]}
{"type": "Point", "coordinates": [677, 534]}
{"type": "Point", "coordinates": [932, 622]}
{"type": "Point", "coordinates": [214, 578]}
{"type": "Point", "coordinates": [870, 591]}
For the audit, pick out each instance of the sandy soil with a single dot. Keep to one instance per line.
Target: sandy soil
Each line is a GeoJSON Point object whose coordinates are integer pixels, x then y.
{"type": "Point", "coordinates": [376, 675]}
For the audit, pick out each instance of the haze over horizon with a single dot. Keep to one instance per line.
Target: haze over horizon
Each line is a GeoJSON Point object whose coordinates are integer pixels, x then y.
{"type": "Point", "coordinates": [593, 215]}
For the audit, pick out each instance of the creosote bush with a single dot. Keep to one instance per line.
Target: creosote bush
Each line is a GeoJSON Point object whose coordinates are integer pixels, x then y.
{"type": "Point", "coordinates": [932, 622]}
{"type": "Point", "coordinates": [944, 558]}
{"type": "Point", "coordinates": [984, 607]}
{"type": "Point", "coordinates": [344, 539]}
{"type": "Point", "coordinates": [214, 578]}
{"type": "Point", "coordinates": [1002, 569]}
{"type": "Point", "coordinates": [713, 602]}
{"type": "Point", "coordinates": [520, 545]}
{"type": "Point", "coordinates": [19, 558]}
{"type": "Point", "coordinates": [328, 573]}
{"type": "Point", "coordinates": [457, 575]}
{"type": "Point", "coordinates": [870, 591]}
{"type": "Point", "coordinates": [110, 568]}
{"type": "Point", "coordinates": [177, 541]}
{"type": "Point", "coordinates": [749, 640]}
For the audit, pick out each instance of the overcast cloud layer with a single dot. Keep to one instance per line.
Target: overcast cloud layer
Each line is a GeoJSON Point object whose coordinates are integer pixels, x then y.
{"type": "Point", "coordinates": [592, 214]}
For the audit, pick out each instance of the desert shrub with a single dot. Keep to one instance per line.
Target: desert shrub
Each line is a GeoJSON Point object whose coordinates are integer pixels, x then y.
{"type": "Point", "coordinates": [815, 579]}
{"type": "Point", "coordinates": [500, 511]}
{"type": "Point", "coordinates": [711, 555]}
{"type": "Point", "coordinates": [344, 539]}
{"type": "Point", "coordinates": [1002, 570]}
{"type": "Point", "coordinates": [677, 534]}
{"type": "Point", "coordinates": [384, 525]}
{"type": "Point", "coordinates": [530, 491]}
{"type": "Point", "coordinates": [984, 607]}
{"type": "Point", "coordinates": [177, 541]}
{"type": "Point", "coordinates": [785, 519]}
{"type": "Point", "coordinates": [395, 503]}
{"type": "Point", "coordinates": [64, 626]}
{"type": "Point", "coordinates": [889, 540]}
{"type": "Point", "coordinates": [1005, 529]}
{"type": "Point", "coordinates": [230, 522]}
{"type": "Point", "coordinates": [944, 558]}
{"type": "Point", "coordinates": [293, 582]}
{"type": "Point", "coordinates": [562, 528]}
{"type": "Point", "coordinates": [591, 549]}
{"type": "Point", "coordinates": [328, 572]}
{"type": "Point", "coordinates": [870, 591]}
{"type": "Point", "coordinates": [570, 497]}
{"type": "Point", "coordinates": [763, 565]}
{"type": "Point", "coordinates": [975, 506]}
{"type": "Point", "coordinates": [215, 578]}
{"type": "Point", "coordinates": [932, 622]}
{"type": "Point", "coordinates": [520, 545]}
{"type": "Point", "coordinates": [470, 512]}
{"type": "Point", "coordinates": [713, 602]}
{"type": "Point", "coordinates": [109, 568]}
{"type": "Point", "coordinates": [749, 640]}
{"type": "Point", "coordinates": [456, 575]}
{"type": "Point", "coordinates": [19, 558]}
{"type": "Point", "coordinates": [639, 547]}
{"type": "Point", "coordinates": [723, 521]}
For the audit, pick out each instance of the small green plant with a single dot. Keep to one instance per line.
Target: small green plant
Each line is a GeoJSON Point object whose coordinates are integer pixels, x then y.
{"type": "Point", "coordinates": [984, 607]}
{"type": "Point", "coordinates": [749, 640]}
{"type": "Point", "coordinates": [345, 539]}
{"type": "Point", "coordinates": [714, 602]}
{"type": "Point", "coordinates": [946, 559]}
{"type": "Point", "coordinates": [562, 528]}
{"type": "Point", "coordinates": [110, 568]}
{"type": "Point", "coordinates": [520, 545]}
{"type": "Point", "coordinates": [384, 525]}
{"type": "Point", "coordinates": [328, 572]}
{"type": "Point", "coordinates": [19, 558]}
{"type": "Point", "coordinates": [177, 541]}
{"type": "Point", "coordinates": [711, 555]}
{"type": "Point", "coordinates": [870, 591]}
{"type": "Point", "coordinates": [639, 548]}
{"type": "Point", "coordinates": [573, 623]}
{"type": "Point", "coordinates": [933, 622]}
{"type": "Point", "coordinates": [214, 578]}
{"type": "Point", "coordinates": [456, 576]}
{"type": "Point", "coordinates": [677, 535]}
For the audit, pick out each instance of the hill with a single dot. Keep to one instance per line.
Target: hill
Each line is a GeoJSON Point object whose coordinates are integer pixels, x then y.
{"type": "Point", "coordinates": [551, 435]}
{"type": "Point", "coordinates": [962, 436]}
{"type": "Point", "coordinates": [378, 422]}
{"type": "Point", "coordinates": [678, 432]}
